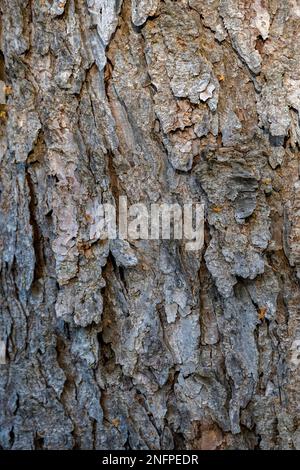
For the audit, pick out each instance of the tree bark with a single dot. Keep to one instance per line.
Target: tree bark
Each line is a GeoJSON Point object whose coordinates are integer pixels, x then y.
{"type": "Point", "coordinates": [107, 345]}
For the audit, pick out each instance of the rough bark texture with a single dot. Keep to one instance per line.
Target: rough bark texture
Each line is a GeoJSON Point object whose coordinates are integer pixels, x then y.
{"type": "Point", "coordinates": [146, 345]}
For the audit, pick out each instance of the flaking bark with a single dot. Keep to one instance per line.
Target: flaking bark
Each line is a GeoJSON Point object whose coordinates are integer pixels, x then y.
{"type": "Point", "coordinates": [148, 346]}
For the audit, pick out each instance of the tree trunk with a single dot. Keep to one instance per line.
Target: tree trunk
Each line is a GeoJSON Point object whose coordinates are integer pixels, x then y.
{"type": "Point", "coordinates": [145, 345]}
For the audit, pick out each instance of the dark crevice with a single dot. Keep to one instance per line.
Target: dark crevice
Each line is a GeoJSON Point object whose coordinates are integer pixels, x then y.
{"type": "Point", "coordinates": [11, 437]}
{"type": "Point", "coordinates": [37, 236]}
{"type": "Point", "coordinates": [179, 441]}
{"type": "Point", "coordinates": [259, 45]}
{"type": "Point", "coordinates": [2, 67]}
{"type": "Point", "coordinates": [38, 442]}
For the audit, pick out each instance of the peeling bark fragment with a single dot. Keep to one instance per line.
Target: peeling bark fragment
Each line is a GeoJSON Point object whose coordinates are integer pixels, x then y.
{"type": "Point", "coordinates": [142, 9]}
{"type": "Point", "coordinates": [104, 15]}
{"type": "Point", "coordinates": [245, 22]}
